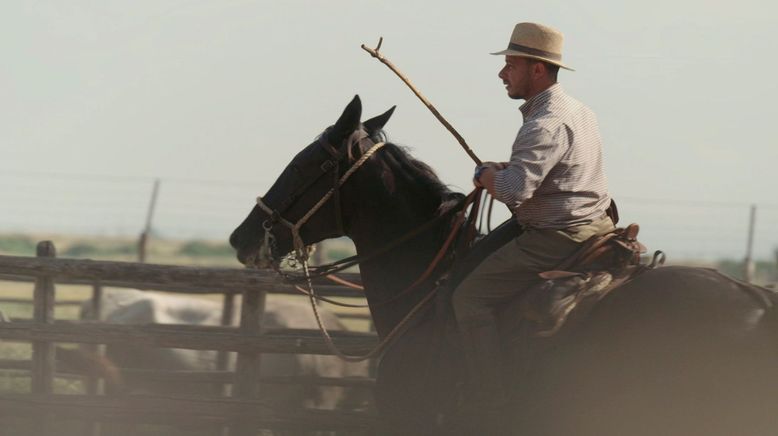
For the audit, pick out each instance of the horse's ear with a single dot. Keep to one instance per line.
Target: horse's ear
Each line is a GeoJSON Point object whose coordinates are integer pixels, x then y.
{"type": "Point", "coordinates": [347, 123]}
{"type": "Point", "coordinates": [377, 123]}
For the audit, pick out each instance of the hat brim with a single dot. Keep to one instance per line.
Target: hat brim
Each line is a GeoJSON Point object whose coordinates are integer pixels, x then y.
{"type": "Point", "coordinates": [510, 52]}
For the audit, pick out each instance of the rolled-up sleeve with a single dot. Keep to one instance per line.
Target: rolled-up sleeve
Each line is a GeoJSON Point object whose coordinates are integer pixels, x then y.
{"type": "Point", "coordinates": [536, 151]}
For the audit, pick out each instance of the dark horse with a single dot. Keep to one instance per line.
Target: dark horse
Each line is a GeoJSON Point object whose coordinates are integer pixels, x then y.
{"type": "Point", "coordinates": [678, 351]}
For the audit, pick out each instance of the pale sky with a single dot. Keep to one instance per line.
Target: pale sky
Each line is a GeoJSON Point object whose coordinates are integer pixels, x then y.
{"type": "Point", "coordinates": [98, 98]}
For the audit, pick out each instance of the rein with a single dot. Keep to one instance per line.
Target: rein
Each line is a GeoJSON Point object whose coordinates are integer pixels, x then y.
{"type": "Point", "coordinates": [301, 252]}
{"type": "Point", "coordinates": [299, 246]}
{"type": "Point", "coordinates": [339, 265]}
{"type": "Point", "coordinates": [472, 198]}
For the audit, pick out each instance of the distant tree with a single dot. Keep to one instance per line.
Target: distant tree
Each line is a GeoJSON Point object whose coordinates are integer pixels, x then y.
{"type": "Point", "coordinates": [17, 244]}
{"type": "Point", "coordinates": [90, 249]}
{"type": "Point", "coordinates": [80, 249]}
{"type": "Point", "coordinates": [730, 267]}
{"type": "Point", "coordinates": [203, 248]}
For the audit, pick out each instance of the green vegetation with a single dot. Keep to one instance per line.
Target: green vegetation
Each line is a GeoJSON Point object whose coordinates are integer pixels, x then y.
{"type": "Point", "coordinates": [125, 249]}
{"type": "Point", "coordinates": [87, 249]}
{"type": "Point", "coordinates": [765, 271]}
{"type": "Point", "coordinates": [199, 248]}
{"type": "Point", "coordinates": [20, 245]}
{"type": "Point", "coordinates": [195, 252]}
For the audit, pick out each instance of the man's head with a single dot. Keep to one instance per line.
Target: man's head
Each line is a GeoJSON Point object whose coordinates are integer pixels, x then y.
{"type": "Point", "coordinates": [532, 59]}
{"type": "Point", "coordinates": [525, 77]}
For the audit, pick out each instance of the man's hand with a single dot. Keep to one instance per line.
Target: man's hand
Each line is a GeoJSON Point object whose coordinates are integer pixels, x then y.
{"type": "Point", "coordinates": [485, 175]}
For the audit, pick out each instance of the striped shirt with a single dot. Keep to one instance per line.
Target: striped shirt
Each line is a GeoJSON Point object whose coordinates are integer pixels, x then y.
{"type": "Point", "coordinates": [555, 176]}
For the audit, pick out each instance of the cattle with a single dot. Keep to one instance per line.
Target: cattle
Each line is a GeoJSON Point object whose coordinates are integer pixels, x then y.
{"type": "Point", "coordinates": [129, 306]}
{"type": "Point", "coordinates": [81, 361]}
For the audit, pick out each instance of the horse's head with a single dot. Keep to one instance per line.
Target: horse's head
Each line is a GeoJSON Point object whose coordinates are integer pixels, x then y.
{"type": "Point", "coordinates": [309, 191]}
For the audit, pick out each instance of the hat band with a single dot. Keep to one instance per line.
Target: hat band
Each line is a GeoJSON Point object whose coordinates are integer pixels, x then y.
{"type": "Point", "coordinates": [534, 51]}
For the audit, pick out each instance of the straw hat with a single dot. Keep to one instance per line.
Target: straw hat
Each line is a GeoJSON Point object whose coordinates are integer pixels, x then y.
{"type": "Point", "coordinates": [536, 41]}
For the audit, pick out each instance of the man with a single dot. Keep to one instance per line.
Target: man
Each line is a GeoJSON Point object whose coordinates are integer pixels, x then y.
{"type": "Point", "coordinates": [555, 185]}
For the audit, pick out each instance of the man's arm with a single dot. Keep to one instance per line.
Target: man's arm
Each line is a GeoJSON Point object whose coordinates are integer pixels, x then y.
{"type": "Point", "coordinates": [484, 177]}
{"type": "Point", "coordinates": [535, 152]}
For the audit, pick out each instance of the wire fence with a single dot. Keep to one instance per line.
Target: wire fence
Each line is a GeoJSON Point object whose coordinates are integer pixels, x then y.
{"type": "Point", "coordinates": [49, 203]}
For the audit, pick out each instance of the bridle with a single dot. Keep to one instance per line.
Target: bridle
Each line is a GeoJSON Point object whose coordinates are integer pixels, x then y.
{"type": "Point", "coordinates": [265, 254]}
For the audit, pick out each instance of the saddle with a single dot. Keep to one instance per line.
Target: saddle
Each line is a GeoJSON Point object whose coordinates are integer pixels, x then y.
{"type": "Point", "coordinates": [615, 250]}
{"type": "Point", "coordinates": [571, 290]}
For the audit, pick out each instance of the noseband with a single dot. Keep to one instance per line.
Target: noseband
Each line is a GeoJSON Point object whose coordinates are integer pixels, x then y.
{"type": "Point", "coordinates": [266, 257]}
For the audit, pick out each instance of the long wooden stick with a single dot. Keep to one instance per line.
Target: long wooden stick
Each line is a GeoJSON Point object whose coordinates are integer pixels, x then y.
{"type": "Point", "coordinates": [375, 53]}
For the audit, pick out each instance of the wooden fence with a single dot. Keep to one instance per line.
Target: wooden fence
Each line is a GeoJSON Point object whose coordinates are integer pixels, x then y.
{"type": "Point", "coordinates": [242, 412]}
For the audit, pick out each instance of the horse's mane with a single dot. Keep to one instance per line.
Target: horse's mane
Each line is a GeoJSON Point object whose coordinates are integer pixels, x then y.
{"type": "Point", "coordinates": [402, 165]}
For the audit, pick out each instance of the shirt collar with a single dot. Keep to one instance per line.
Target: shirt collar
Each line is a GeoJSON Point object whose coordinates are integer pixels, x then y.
{"type": "Point", "coordinates": [540, 99]}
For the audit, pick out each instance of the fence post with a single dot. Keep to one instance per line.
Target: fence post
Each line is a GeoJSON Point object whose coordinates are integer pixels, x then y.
{"type": "Point", "coordinates": [248, 364]}
{"type": "Point", "coordinates": [748, 264]}
{"type": "Point", "coordinates": [43, 312]}
{"type": "Point", "coordinates": [144, 236]}
{"type": "Point", "coordinates": [43, 363]}
{"type": "Point", "coordinates": [228, 312]}
{"type": "Point", "coordinates": [96, 304]}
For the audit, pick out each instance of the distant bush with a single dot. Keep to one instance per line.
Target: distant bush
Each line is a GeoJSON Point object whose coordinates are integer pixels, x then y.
{"type": "Point", "coordinates": [81, 249]}
{"type": "Point", "coordinates": [127, 248]}
{"type": "Point", "coordinates": [86, 249]}
{"type": "Point", "coordinates": [730, 267]}
{"type": "Point", "coordinates": [203, 248]}
{"type": "Point", "coordinates": [764, 271]}
{"type": "Point", "coordinates": [17, 244]}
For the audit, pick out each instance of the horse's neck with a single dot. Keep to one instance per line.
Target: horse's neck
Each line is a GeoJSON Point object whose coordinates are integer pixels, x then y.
{"type": "Point", "coordinates": [388, 274]}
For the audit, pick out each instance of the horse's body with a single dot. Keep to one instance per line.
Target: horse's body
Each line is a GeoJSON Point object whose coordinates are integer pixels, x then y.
{"type": "Point", "coordinates": [677, 351]}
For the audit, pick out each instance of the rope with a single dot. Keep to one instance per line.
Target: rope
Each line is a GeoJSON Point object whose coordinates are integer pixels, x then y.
{"type": "Point", "coordinates": [344, 282]}
{"type": "Point", "coordinates": [299, 245]}
{"type": "Point", "coordinates": [342, 264]}
{"type": "Point", "coordinates": [456, 228]}
{"type": "Point", "coordinates": [407, 318]}
{"type": "Point", "coordinates": [301, 255]}
{"type": "Point", "coordinates": [328, 269]}
{"type": "Point", "coordinates": [328, 300]}
{"type": "Point", "coordinates": [381, 345]}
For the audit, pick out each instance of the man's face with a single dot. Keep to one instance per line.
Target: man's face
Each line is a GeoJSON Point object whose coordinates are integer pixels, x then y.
{"type": "Point", "coordinates": [516, 76]}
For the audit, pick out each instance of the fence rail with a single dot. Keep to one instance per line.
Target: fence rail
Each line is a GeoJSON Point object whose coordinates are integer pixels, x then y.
{"type": "Point", "coordinates": [323, 286]}
{"type": "Point", "coordinates": [28, 301]}
{"type": "Point", "coordinates": [169, 278]}
{"type": "Point", "coordinates": [174, 411]}
{"type": "Point", "coordinates": [240, 412]}
{"type": "Point", "coordinates": [292, 341]}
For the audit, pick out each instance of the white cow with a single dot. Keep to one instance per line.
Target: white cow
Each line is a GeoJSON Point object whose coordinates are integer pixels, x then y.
{"type": "Point", "coordinates": [129, 306]}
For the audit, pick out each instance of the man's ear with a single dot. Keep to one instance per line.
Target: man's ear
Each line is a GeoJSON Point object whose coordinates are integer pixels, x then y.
{"type": "Point", "coordinates": [540, 69]}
